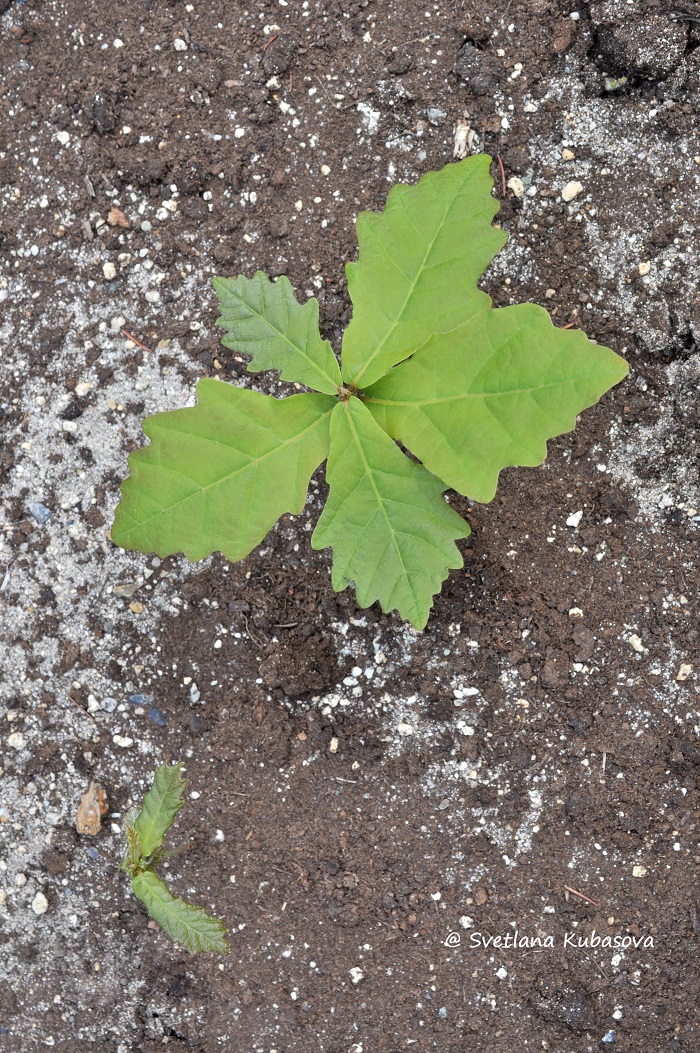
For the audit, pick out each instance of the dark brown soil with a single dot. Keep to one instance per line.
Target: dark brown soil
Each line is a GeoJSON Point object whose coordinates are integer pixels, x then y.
{"type": "Point", "coordinates": [504, 770]}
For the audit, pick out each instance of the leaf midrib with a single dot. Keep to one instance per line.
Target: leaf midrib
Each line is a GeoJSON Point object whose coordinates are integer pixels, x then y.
{"type": "Point", "coordinates": [380, 501]}
{"type": "Point", "coordinates": [418, 402]}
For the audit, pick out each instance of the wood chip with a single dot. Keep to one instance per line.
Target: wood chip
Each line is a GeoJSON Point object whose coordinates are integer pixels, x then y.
{"type": "Point", "coordinates": [93, 805]}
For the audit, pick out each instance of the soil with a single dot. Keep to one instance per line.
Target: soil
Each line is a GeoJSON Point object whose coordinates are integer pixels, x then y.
{"type": "Point", "coordinates": [372, 810]}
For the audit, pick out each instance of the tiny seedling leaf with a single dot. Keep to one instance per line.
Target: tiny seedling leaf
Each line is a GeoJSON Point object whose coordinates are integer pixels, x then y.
{"type": "Point", "coordinates": [183, 922]}
{"type": "Point", "coordinates": [219, 475]}
{"type": "Point", "coordinates": [265, 320]}
{"type": "Point", "coordinates": [426, 361]}
{"type": "Point", "coordinates": [490, 393]}
{"type": "Point", "coordinates": [391, 531]}
{"type": "Point", "coordinates": [160, 806]}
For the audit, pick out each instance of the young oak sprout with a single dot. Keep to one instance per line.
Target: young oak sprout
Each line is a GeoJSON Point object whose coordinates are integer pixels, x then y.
{"type": "Point", "coordinates": [183, 922]}
{"type": "Point", "coordinates": [426, 360]}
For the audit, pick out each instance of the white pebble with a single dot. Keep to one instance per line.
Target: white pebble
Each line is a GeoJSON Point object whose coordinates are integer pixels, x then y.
{"type": "Point", "coordinates": [405, 729]}
{"type": "Point", "coordinates": [334, 743]}
{"type": "Point", "coordinates": [118, 43]}
{"type": "Point", "coordinates": [644, 267]}
{"type": "Point", "coordinates": [356, 975]}
{"type": "Point", "coordinates": [83, 388]}
{"type": "Point", "coordinates": [571, 190]}
{"type": "Point", "coordinates": [122, 740]}
{"type": "Point", "coordinates": [109, 270]}
{"type": "Point", "coordinates": [636, 644]}
{"type": "Point", "coordinates": [517, 186]}
{"type": "Point", "coordinates": [63, 138]}
{"type": "Point", "coordinates": [70, 427]}
{"type": "Point", "coordinates": [152, 295]}
{"type": "Point", "coordinates": [502, 973]}
{"type": "Point", "coordinates": [179, 44]}
{"type": "Point", "coordinates": [684, 671]}
{"type": "Point", "coordinates": [40, 904]}
{"type": "Point", "coordinates": [639, 871]}
{"type": "Point", "coordinates": [575, 519]}
{"type": "Point", "coordinates": [17, 740]}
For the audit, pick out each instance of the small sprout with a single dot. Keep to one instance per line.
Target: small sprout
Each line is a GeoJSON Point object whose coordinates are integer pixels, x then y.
{"type": "Point", "coordinates": [184, 923]}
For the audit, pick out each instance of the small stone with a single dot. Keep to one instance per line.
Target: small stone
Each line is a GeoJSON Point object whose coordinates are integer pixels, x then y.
{"type": "Point", "coordinates": [575, 518]}
{"type": "Point", "coordinates": [179, 44]}
{"type": "Point", "coordinates": [571, 190]}
{"type": "Point", "coordinates": [40, 512]}
{"type": "Point", "coordinates": [40, 904]}
{"type": "Point", "coordinates": [325, 170]}
{"type": "Point", "coordinates": [435, 115]}
{"type": "Point", "coordinates": [639, 871]}
{"type": "Point", "coordinates": [356, 975]}
{"type": "Point", "coordinates": [405, 729]}
{"type": "Point", "coordinates": [136, 607]}
{"type": "Point", "coordinates": [609, 1037]}
{"type": "Point", "coordinates": [567, 155]}
{"type": "Point", "coordinates": [334, 743]}
{"type": "Point", "coordinates": [82, 389]}
{"type": "Point", "coordinates": [70, 426]}
{"type": "Point", "coordinates": [152, 295]}
{"type": "Point", "coordinates": [146, 226]}
{"type": "Point", "coordinates": [63, 138]}
{"type": "Point", "coordinates": [480, 897]}
{"type": "Point", "coordinates": [644, 267]}
{"type": "Point", "coordinates": [109, 271]}
{"type": "Point", "coordinates": [636, 644]}
{"type": "Point", "coordinates": [140, 700]}
{"type": "Point", "coordinates": [517, 186]}
{"type": "Point", "coordinates": [466, 922]}
{"type": "Point", "coordinates": [127, 590]}
{"type": "Point", "coordinates": [117, 43]}
{"type": "Point", "coordinates": [502, 973]}
{"type": "Point", "coordinates": [575, 612]}
{"type": "Point", "coordinates": [122, 740]}
{"type": "Point", "coordinates": [157, 717]}
{"type": "Point", "coordinates": [17, 740]}
{"type": "Point", "coordinates": [684, 671]}
{"type": "Point", "coordinates": [109, 704]}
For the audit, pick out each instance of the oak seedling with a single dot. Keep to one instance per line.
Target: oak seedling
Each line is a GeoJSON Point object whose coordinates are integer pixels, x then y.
{"type": "Point", "coordinates": [183, 922]}
{"type": "Point", "coordinates": [427, 362]}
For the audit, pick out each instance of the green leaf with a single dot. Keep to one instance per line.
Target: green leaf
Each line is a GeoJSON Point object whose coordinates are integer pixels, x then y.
{"type": "Point", "coordinates": [219, 475]}
{"type": "Point", "coordinates": [183, 922]}
{"type": "Point", "coordinates": [491, 393]}
{"type": "Point", "coordinates": [391, 531]}
{"type": "Point", "coordinates": [134, 853]}
{"type": "Point", "coordinates": [265, 320]}
{"type": "Point", "coordinates": [418, 265]}
{"type": "Point", "coordinates": [160, 806]}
